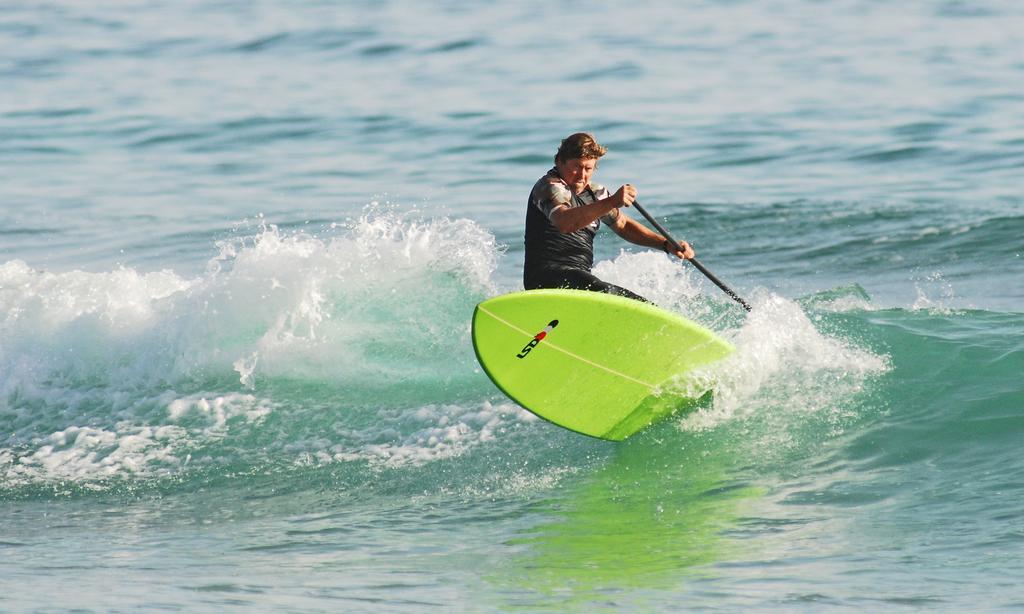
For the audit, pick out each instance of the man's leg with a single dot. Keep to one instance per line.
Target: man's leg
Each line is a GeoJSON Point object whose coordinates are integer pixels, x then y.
{"type": "Point", "coordinates": [576, 279]}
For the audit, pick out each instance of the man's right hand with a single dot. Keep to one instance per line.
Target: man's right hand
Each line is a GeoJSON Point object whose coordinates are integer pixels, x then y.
{"type": "Point", "coordinates": [625, 195]}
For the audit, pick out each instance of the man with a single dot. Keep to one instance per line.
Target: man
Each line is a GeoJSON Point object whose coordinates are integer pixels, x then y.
{"type": "Point", "coordinates": [564, 213]}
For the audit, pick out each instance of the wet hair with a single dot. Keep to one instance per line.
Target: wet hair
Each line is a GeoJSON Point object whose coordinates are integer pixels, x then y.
{"type": "Point", "coordinates": [581, 145]}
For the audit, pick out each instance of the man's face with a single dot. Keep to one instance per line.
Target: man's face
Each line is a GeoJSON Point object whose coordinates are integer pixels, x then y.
{"type": "Point", "coordinates": [576, 173]}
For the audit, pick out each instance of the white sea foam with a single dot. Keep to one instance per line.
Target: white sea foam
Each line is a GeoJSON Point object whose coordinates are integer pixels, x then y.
{"type": "Point", "coordinates": [217, 411]}
{"type": "Point", "coordinates": [784, 363]}
{"type": "Point", "coordinates": [653, 275]}
{"type": "Point", "coordinates": [412, 438]}
{"type": "Point", "coordinates": [125, 372]}
{"type": "Point", "coordinates": [273, 303]}
{"type": "Point", "coordinates": [88, 454]}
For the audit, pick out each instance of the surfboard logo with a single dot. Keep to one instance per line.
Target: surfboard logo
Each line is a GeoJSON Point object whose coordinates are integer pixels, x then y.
{"type": "Point", "coordinates": [537, 339]}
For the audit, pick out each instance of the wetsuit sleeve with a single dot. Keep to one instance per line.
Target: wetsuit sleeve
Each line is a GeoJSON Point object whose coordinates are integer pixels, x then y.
{"type": "Point", "coordinates": [548, 196]}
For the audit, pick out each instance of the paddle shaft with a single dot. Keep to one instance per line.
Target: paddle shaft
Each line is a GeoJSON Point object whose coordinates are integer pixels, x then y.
{"type": "Point", "coordinates": [693, 261]}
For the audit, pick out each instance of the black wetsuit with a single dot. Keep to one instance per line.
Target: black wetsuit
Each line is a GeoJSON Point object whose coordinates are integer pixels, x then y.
{"type": "Point", "coordinates": [556, 259]}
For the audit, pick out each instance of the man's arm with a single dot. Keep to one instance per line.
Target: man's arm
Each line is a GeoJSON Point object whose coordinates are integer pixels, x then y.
{"type": "Point", "coordinates": [635, 232]}
{"type": "Point", "coordinates": [571, 219]}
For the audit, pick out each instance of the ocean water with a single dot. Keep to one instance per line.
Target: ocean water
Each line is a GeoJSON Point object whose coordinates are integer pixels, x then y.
{"type": "Point", "coordinates": [240, 244]}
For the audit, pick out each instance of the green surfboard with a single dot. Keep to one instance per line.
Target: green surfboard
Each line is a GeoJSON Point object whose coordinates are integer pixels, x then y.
{"type": "Point", "coordinates": [594, 363]}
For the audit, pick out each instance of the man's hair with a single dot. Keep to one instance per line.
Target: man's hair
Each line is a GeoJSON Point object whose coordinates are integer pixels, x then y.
{"type": "Point", "coordinates": [581, 145]}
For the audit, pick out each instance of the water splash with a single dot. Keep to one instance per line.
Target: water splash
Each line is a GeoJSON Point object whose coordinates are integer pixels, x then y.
{"type": "Point", "coordinates": [125, 373]}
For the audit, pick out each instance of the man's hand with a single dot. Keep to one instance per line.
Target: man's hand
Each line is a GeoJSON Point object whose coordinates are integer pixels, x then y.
{"type": "Point", "coordinates": [686, 253]}
{"type": "Point", "coordinates": [625, 195]}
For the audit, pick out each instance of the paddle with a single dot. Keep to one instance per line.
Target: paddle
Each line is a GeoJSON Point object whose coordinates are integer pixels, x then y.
{"type": "Point", "coordinates": [693, 261]}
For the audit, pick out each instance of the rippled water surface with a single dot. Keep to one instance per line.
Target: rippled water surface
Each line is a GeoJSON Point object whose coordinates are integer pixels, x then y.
{"type": "Point", "coordinates": [240, 243]}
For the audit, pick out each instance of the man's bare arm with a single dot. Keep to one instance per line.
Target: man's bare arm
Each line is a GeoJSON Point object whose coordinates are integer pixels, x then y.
{"type": "Point", "coordinates": [570, 219]}
{"type": "Point", "coordinates": [635, 232]}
